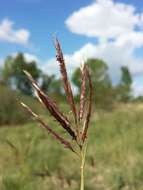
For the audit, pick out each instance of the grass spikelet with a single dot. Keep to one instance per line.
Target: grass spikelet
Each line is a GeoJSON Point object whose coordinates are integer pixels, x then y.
{"type": "Point", "coordinates": [87, 120]}
{"type": "Point", "coordinates": [83, 91]}
{"type": "Point", "coordinates": [51, 131]}
{"type": "Point", "coordinates": [52, 107]}
{"type": "Point", "coordinates": [66, 82]}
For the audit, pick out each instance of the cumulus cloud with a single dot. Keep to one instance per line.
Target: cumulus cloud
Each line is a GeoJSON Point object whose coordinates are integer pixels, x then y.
{"type": "Point", "coordinates": [104, 18]}
{"type": "Point", "coordinates": [114, 25]}
{"type": "Point", "coordinates": [9, 34]}
{"type": "Point", "coordinates": [137, 89]}
{"type": "Point", "coordinates": [114, 54]}
{"type": "Point", "coordinates": [31, 57]}
{"type": "Point", "coordinates": [119, 30]}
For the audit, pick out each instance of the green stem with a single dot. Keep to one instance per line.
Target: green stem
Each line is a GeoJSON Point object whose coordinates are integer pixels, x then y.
{"type": "Point", "coordinates": [82, 175]}
{"type": "Point", "coordinates": [83, 153]}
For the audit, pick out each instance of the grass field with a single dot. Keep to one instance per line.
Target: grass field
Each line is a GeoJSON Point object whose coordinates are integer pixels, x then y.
{"type": "Point", "coordinates": [31, 160]}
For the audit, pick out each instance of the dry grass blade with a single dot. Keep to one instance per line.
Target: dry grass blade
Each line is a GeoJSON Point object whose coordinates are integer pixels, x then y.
{"type": "Point", "coordinates": [67, 85]}
{"type": "Point", "coordinates": [84, 134]}
{"type": "Point", "coordinates": [83, 91]}
{"type": "Point", "coordinates": [52, 107]}
{"type": "Point", "coordinates": [52, 132]}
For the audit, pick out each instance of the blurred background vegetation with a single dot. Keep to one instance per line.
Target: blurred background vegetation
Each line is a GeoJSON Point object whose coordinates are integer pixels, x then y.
{"type": "Point", "coordinates": [31, 160]}
{"type": "Point", "coordinates": [14, 86]}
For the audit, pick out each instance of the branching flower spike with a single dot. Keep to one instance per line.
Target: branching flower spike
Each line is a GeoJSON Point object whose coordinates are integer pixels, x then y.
{"type": "Point", "coordinates": [67, 85]}
{"type": "Point", "coordinates": [52, 107]}
{"type": "Point", "coordinates": [83, 91]}
{"type": "Point", "coordinates": [43, 124]}
{"type": "Point", "coordinates": [77, 130]}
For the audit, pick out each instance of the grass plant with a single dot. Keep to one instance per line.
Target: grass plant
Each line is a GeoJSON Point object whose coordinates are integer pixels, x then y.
{"type": "Point", "coordinates": [76, 127]}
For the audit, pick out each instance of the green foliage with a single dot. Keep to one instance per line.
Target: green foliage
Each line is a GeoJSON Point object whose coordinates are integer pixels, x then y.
{"type": "Point", "coordinates": [11, 111]}
{"type": "Point", "coordinates": [126, 76]}
{"type": "Point", "coordinates": [13, 73]}
{"type": "Point", "coordinates": [56, 87]}
{"type": "Point", "coordinates": [123, 89]}
{"type": "Point", "coordinates": [46, 82]}
{"type": "Point", "coordinates": [104, 93]}
{"type": "Point", "coordinates": [114, 161]}
{"type": "Point", "coordinates": [138, 99]}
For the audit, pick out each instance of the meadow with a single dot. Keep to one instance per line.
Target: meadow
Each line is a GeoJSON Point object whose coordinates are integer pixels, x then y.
{"type": "Point", "coordinates": [31, 160]}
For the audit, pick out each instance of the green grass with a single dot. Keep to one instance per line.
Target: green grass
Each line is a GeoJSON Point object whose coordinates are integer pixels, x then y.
{"type": "Point", "coordinates": [11, 112]}
{"type": "Point", "coordinates": [31, 160]}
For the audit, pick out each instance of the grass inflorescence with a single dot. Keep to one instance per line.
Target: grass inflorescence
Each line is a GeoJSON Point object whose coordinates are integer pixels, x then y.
{"type": "Point", "coordinates": [77, 130]}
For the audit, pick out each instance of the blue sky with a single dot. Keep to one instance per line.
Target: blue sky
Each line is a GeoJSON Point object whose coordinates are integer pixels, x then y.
{"type": "Point", "coordinates": [84, 28]}
{"type": "Point", "coordinates": [42, 18]}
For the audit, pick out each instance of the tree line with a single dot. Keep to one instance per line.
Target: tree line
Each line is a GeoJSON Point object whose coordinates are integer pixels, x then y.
{"type": "Point", "coordinates": [105, 93]}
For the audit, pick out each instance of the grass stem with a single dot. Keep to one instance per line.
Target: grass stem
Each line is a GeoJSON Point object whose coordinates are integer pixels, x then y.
{"type": "Point", "coordinates": [83, 154]}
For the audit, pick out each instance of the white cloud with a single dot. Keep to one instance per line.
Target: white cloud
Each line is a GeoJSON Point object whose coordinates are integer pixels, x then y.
{"type": "Point", "coordinates": [114, 25]}
{"type": "Point", "coordinates": [110, 52]}
{"type": "Point", "coordinates": [119, 30]}
{"type": "Point", "coordinates": [31, 57]}
{"type": "Point", "coordinates": [104, 19]}
{"type": "Point", "coordinates": [8, 34]}
{"type": "Point", "coordinates": [137, 89]}
{"type": "Point", "coordinates": [133, 39]}
{"type": "Point", "coordinates": [50, 67]}
{"type": "Point", "coordinates": [113, 55]}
